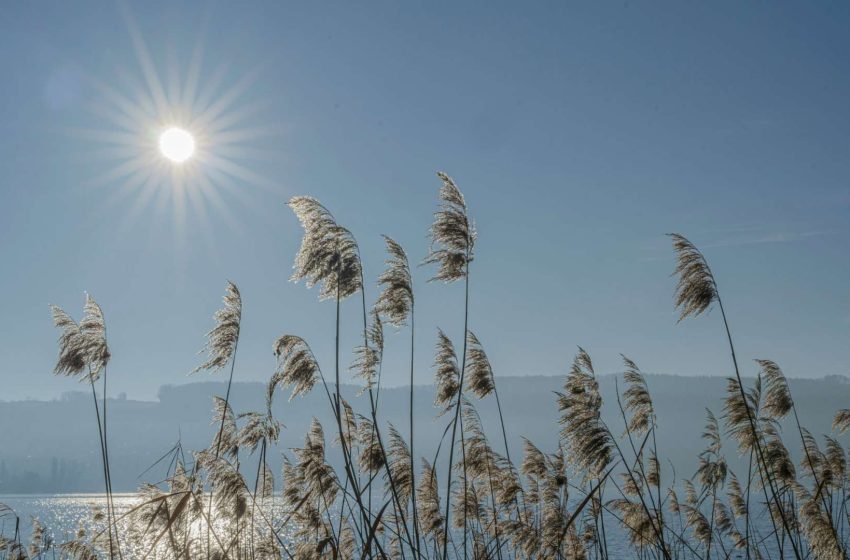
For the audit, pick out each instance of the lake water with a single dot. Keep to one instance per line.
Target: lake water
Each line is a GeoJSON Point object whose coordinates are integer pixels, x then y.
{"type": "Point", "coordinates": [62, 514]}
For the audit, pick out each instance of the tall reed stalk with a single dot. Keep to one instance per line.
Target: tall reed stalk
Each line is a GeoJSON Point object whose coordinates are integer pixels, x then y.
{"type": "Point", "coordinates": [222, 343]}
{"type": "Point", "coordinates": [452, 240]}
{"type": "Point", "coordinates": [695, 293]}
{"type": "Point", "coordinates": [84, 353]}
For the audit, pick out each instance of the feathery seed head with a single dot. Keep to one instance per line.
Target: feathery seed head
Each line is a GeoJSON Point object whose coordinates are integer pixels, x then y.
{"type": "Point", "coordinates": [400, 465]}
{"type": "Point", "coordinates": [534, 461]}
{"type": "Point", "coordinates": [222, 340]}
{"type": "Point", "coordinates": [737, 410]}
{"type": "Point", "coordinates": [841, 421]}
{"type": "Point", "coordinates": [581, 425]}
{"type": "Point", "coordinates": [735, 493]}
{"type": "Point", "coordinates": [428, 502]}
{"type": "Point", "coordinates": [777, 396]}
{"type": "Point", "coordinates": [372, 457]}
{"type": "Point", "coordinates": [396, 299]}
{"type": "Point", "coordinates": [93, 327]}
{"type": "Point", "coordinates": [834, 465]}
{"type": "Point", "coordinates": [696, 289]}
{"type": "Point", "coordinates": [226, 440]}
{"type": "Point", "coordinates": [258, 426]}
{"type": "Point", "coordinates": [367, 358]}
{"type": "Point", "coordinates": [638, 399]}
{"type": "Point", "coordinates": [83, 350]}
{"type": "Point", "coordinates": [446, 372]}
{"type": "Point", "coordinates": [452, 234]}
{"type": "Point", "coordinates": [479, 372]}
{"type": "Point", "coordinates": [328, 254]}
{"type": "Point", "coordinates": [297, 367]}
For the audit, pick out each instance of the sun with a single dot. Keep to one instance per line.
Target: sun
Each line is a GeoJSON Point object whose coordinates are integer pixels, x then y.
{"type": "Point", "coordinates": [177, 144]}
{"type": "Point", "coordinates": [184, 140]}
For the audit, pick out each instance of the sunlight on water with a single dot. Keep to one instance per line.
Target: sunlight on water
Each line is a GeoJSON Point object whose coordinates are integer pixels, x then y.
{"type": "Point", "coordinates": [64, 514]}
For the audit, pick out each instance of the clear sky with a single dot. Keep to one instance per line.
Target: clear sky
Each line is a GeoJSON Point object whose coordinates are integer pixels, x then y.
{"type": "Point", "coordinates": [579, 132]}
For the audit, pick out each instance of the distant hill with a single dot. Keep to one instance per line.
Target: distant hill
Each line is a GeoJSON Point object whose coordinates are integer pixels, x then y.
{"type": "Point", "coordinates": [51, 446]}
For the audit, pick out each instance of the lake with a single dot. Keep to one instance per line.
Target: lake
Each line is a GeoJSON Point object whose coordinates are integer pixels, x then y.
{"type": "Point", "coordinates": [62, 514]}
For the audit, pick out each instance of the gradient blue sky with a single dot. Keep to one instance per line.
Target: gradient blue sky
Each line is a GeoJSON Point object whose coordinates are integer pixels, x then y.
{"type": "Point", "coordinates": [579, 132]}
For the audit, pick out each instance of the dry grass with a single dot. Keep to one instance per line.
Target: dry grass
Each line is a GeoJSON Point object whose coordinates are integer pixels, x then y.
{"type": "Point", "coordinates": [466, 499]}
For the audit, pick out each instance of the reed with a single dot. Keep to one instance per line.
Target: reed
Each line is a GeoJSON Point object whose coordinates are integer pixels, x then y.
{"type": "Point", "coordinates": [558, 504]}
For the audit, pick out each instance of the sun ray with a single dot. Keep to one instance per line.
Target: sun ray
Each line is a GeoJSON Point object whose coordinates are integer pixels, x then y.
{"type": "Point", "coordinates": [232, 118]}
{"type": "Point", "coordinates": [172, 84]}
{"type": "Point", "coordinates": [143, 56]}
{"type": "Point", "coordinates": [199, 209]}
{"type": "Point", "coordinates": [128, 112]}
{"type": "Point", "coordinates": [214, 85]}
{"type": "Point", "coordinates": [223, 211]}
{"type": "Point", "coordinates": [223, 103]}
{"type": "Point", "coordinates": [193, 72]}
{"type": "Point", "coordinates": [238, 171]}
{"type": "Point", "coordinates": [176, 140]}
{"type": "Point", "coordinates": [143, 200]}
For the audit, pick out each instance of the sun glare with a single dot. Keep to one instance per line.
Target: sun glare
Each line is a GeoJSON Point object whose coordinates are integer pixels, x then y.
{"type": "Point", "coordinates": [182, 139]}
{"type": "Point", "coordinates": [177, 144]}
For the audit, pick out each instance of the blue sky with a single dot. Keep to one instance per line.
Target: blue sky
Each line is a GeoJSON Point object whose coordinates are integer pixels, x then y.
{"type": "Point", "coordinates": [579, 132]}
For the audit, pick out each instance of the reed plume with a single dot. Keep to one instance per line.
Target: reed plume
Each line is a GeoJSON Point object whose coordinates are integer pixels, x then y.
{"type": "Point", "coordinates": [227, 438]}
{"type": "Point", "coordinates": [818, 528]}
{"type": "Point", "coordinates": [40, 541]}
{"type": "Point", "coordinates": [349, 426]}
{"type": "Point", "coordinates": [452, 234]}
{"type": "Point", "coordinates": [83, 350]}
{"type": "Point", "coordinates": [428, 496]}
{"type": "Point", "coordinates": [841, 422]}
{"type": "Point", "coordinates": [736, 496]}
{"type": "Point", "coordinates": [777, 396]}
{"type": "Point", "coordinates": [581, 424]}
{"type": "Point", "coordinates": [737, 411]}
{"type": "Point", "coordinates": [372, 458]}
{"type": "Point", "coordinates": [258, 428]}
{"type": "Point", "coordinates": [367, 357]}
{"type": "Point", "coordinates": [319, 476]}
{"type": "Point", "coordinates": [395, 301]}
{"type": "Point", "coordinates": [79, 550]}
{"type": "Point", "coordinates": [224, 337]}
{"type": "Point", "coordinates": [712, 473]}
{"type": "Point", "coordinates": [638, 399]}
{"type": "Point", "coordinates": [400, 466]}
{"type": "Point", "coordinates": [446, 373]}
{"type": "Point", "coordinates": [479, 380]}
{"type": "Point", "coordinates": [297, 366]}
{"type": "Point", "coordinates": [328, 255]}
{"type": "Point", "coordinates": [696, 289]}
